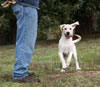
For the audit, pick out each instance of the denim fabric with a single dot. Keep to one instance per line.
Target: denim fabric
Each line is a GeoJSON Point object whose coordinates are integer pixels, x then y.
{"type": "Point", "coordinates": [30, 3]}
{"type": "Point", "coordinates": [26, 18]}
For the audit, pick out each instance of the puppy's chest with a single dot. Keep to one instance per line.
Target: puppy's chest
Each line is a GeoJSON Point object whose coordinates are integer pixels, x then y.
{"type": "Point", "coordinates": [67, 48]}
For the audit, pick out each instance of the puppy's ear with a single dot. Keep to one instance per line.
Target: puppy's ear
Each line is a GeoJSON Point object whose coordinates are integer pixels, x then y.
{"type": "Point", "coordinates": [61, 27]}
{"type": "Point", "coordinates": [75, 24]}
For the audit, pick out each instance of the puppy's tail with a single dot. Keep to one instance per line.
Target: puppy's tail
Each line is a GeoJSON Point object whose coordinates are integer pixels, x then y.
{"type": "Point", "coordinates": [77, 40]}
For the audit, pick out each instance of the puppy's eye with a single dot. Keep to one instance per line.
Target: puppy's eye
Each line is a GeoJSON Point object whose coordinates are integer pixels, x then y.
{"type": "Point", "coordinates": [70, 29]}
{"type": "Point", "coordinates": [65, 28]}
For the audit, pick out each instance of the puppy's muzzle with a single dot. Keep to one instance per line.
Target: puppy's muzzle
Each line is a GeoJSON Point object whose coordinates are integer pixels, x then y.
{"type": "Point", "coordinates": [68, 35]}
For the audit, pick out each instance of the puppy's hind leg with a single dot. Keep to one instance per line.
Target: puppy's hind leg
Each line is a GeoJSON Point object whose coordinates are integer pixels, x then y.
{"type": "Point", "coordinates": [62, 61]}
{"type": "Point", "coordinates": [76, 61]}
{"type": "Point", "coordinates": [69, 59]}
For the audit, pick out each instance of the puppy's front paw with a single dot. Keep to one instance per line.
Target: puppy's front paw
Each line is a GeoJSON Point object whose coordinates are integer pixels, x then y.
{"type": "Point", "coordinates": [78, 69]}
{"type": "Point", "coordinates": [63, 70]}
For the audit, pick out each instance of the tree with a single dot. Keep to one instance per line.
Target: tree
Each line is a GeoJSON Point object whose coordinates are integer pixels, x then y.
{"type": "Point", "coordinates": [7, 25]}
{"type": "Point", "coordinates": [52, 13]}
{"type": "Point", "coordinates": [86, 12]}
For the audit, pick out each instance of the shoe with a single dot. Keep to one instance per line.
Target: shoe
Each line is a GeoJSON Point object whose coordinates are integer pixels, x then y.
{"type": "Point", "coordinates": [27, 79]}
{"type": "Point", "coordinates": [31, 73]}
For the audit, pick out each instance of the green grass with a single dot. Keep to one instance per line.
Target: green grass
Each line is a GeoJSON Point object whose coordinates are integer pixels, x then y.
{"type": "Point", "coordinates": [46, 64]}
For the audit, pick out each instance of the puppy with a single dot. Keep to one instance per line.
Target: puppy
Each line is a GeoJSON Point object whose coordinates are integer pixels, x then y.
{"type": "Point", "coordinates": [67, 46]}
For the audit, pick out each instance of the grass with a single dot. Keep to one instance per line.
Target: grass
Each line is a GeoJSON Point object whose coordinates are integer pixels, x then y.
{"type": "Point", "coordinates": [46, 64]}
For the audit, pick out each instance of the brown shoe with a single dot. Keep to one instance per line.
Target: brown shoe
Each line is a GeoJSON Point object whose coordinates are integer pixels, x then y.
{"type": "Point", "coordinates": [31, 73]}
{"type": "Point", "coordinates": [27, 79]}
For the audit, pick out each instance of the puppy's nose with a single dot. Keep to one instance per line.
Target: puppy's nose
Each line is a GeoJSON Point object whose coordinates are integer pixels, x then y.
{"type": "Point", "coordinates": [67, 33]}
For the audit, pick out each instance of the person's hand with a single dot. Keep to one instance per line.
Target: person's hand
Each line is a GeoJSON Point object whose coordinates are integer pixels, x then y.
{"type": "Point", "coordinates": [7, 3]}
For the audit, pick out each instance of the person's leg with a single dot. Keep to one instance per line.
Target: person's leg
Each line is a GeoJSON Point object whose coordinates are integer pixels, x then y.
{"type": "Point", "coordinates": [25, 40]}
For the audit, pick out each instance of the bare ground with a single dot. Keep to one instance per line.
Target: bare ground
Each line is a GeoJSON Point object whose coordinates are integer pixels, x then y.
{"type": "Point", "coordinates": [89, 73]}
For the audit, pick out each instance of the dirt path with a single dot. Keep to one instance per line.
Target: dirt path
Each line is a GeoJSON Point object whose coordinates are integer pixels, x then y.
{"type": "Point", "coordinates": [90, 73]}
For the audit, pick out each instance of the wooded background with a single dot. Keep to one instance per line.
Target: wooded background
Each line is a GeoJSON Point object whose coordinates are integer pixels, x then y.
{"type": "Point", "coordinates": [52, 13]}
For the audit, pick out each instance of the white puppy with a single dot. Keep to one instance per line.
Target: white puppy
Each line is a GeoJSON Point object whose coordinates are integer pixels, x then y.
{"type": "Point", "coordinates": [67, 46]}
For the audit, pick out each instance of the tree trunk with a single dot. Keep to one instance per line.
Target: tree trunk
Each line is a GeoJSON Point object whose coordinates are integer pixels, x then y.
{"type": "Point", "coordinates": [87, 25]}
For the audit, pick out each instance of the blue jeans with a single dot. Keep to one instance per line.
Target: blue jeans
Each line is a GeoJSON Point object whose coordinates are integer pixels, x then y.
{"type": "Point", "coordinates": [26, 18]}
